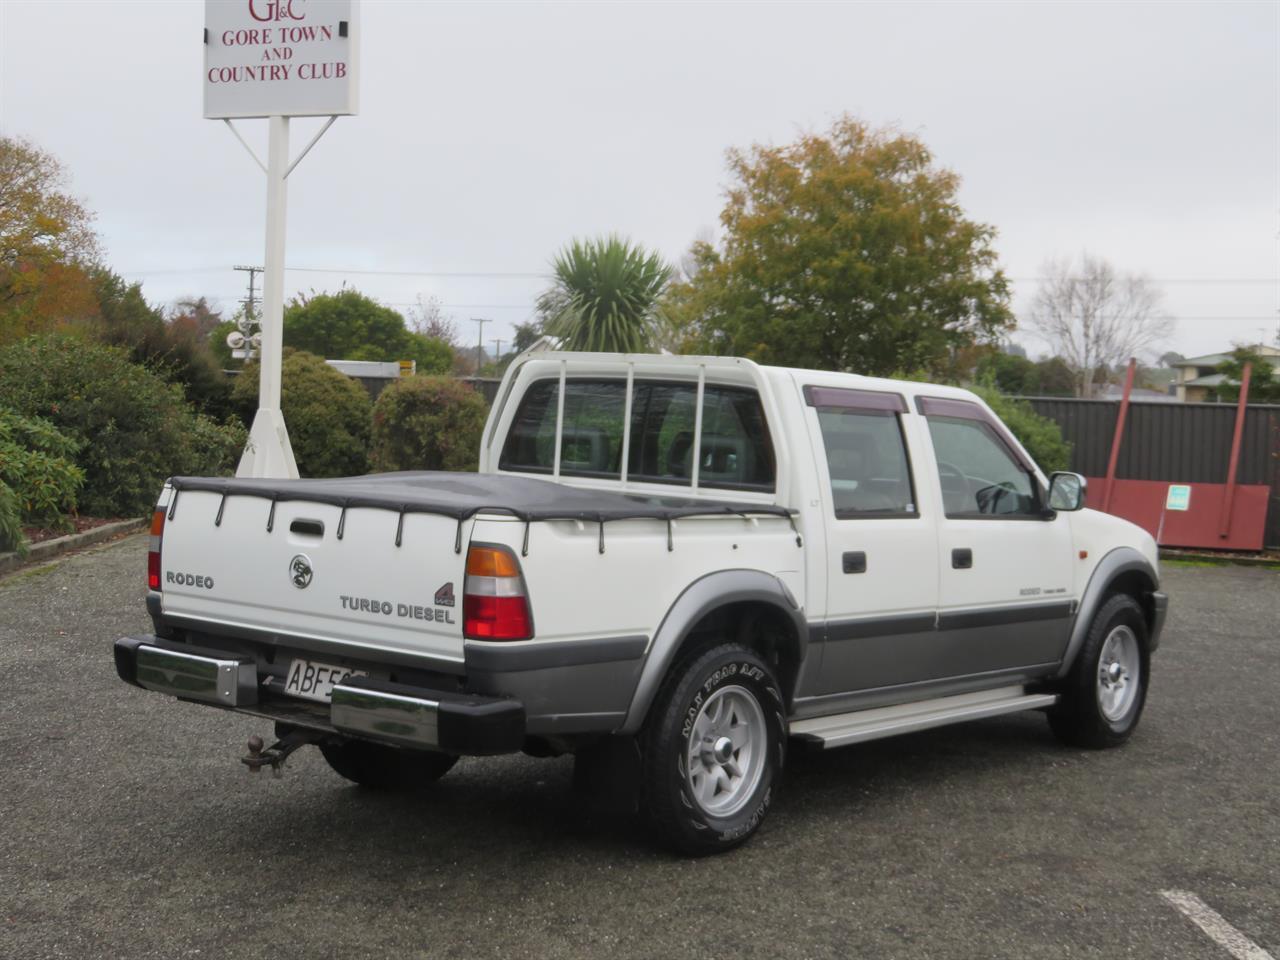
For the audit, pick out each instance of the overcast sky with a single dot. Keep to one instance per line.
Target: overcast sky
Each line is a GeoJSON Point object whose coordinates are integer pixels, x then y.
{"type": "Point", "coordinates": [490, 134]}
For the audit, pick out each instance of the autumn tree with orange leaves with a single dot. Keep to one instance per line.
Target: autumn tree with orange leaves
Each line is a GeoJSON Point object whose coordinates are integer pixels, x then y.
{"type": "Point", "coordinates": [845, 250]}
{"type": "Point", "coordinates": [47, 245]}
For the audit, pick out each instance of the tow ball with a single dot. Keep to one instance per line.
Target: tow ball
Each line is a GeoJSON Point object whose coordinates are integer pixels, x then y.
{"type": "Point", "coordinates": [275, 755]}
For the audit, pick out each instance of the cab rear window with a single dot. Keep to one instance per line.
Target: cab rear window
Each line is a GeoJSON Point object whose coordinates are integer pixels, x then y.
{"type": "Point", "coordinates": [734, 451]}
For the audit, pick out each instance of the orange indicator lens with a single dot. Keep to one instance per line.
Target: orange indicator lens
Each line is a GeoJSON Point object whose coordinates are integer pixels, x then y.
{"type": "Point", "coordinates": [491, 562]}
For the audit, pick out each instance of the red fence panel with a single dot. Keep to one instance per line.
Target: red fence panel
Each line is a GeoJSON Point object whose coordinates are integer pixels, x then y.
{"type": "Point", "coordinates": [1142, 502]}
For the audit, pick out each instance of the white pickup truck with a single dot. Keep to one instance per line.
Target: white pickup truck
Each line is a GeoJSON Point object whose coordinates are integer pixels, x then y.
{"type": "Point", "coordinates": [671, 567]}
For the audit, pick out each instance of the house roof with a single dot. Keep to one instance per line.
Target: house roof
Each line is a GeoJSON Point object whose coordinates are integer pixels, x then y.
{"type": "Point", "coordinates": [1213, 359]}
{"type": "Point", "coordinates": [1211, 380]}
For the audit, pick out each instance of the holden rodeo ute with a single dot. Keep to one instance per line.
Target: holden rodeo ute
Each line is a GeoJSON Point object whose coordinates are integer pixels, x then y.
{"type": "Point", "coordinates": [669, 567]}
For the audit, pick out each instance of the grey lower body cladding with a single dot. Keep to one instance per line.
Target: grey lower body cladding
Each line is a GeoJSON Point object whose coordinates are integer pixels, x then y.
{"type": "Point", "coordinates": [364, 707]}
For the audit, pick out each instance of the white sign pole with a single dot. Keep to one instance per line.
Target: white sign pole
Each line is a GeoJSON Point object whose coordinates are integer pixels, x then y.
{"type": "Point", "coordinates": [268, 452]}
{"type": "Point", "coordinates": [277, 59]}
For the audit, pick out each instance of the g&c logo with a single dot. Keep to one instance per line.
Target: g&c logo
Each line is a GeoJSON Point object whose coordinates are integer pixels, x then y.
{"type": "Point", "coordinates": [268, 11]}
{"type": "Point", "coordinates": [301, 571]}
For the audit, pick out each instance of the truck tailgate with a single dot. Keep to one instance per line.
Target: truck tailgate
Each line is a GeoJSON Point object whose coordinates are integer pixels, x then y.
{"type": "Point", "coordinates": [299, 579]}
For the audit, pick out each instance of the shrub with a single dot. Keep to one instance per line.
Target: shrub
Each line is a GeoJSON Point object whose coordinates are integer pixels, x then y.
{"type": "Point", "coordinates": [133, 429]}
{"type": "Point", "coordinates": [326, 412]}
{"type": "Point", "coordinates": [1041, 436]}
{"type": "Point", "coordinates": [214, 447]}
{"type": "Point", "coordinates": [427, 423]}
{"type": "Point", "coordinates": [45, 486]}
{"type": "Point", "coordinates": [36, 465]}
{"type": "Point", "coordinates": [10, 522]}
{"type": "Point", "coordinates": [36, 433]}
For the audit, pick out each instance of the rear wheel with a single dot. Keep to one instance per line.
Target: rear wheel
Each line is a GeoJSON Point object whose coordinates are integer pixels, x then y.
{"type": "Point", "coordinates": [713, 750]}
{"type": "Point", "coordinates": [381, 767]}
{"type": "Point", "coordinates": [1102, 697]}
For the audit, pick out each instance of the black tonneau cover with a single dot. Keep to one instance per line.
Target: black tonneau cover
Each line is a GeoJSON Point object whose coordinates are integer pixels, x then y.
{"type": "Point", "coordinates": [463, 495]}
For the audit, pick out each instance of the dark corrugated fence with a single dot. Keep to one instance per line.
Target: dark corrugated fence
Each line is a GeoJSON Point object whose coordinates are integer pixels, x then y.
{"type": "Point", "coordinates": [487, 386]}
{"type": "Point", "coordinates": [1173, 442]}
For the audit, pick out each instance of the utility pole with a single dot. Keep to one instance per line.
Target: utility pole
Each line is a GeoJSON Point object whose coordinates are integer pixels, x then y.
{"type": "Point", "coordinates": [250, 310]}
{"type": "Point", "coordinates": [250, 318]}
{"type": "Point", "coordinates": [497, 350]}
{"type": "Point", "coordinates": [479, 343]}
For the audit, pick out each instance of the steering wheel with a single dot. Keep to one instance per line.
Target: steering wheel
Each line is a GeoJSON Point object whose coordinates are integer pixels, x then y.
{"type": "Point", "coordinates": [992, 496]}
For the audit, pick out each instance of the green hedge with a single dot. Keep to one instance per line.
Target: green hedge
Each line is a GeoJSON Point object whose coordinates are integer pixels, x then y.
{"type": "Point", "coordinates": [327, 414]}
{"type": "Point", "coordinates": [36, 465]}
{"type": "Point", "coordinates": [10, 521]}
{"type": "Point", "coordinates": [427, 423]}
{"type": "Point", "coordinates": [131, 428]}
{"type": "Point", "coordinates": [1041, 436]}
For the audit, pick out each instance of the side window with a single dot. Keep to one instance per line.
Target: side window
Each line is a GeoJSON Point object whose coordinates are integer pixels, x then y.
{"type": "Point", "coordinates": [735, 453]}
{"type": "Point", "coordinates": [867, 461]}
{"type": "Point", "coordinates": [662, 423]}
{"type": "Point", "coordinates": [978, 474]}
{"type": "Point", "coordinates": [531, 440]}
{"type": "Point", "coordinates": [591, 439]}
{"type": "Point", "coordinates": [736, 450]}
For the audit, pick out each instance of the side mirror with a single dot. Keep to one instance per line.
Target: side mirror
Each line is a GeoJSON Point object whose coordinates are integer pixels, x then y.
{"type": "Point", "coordinates": [1067, 491]}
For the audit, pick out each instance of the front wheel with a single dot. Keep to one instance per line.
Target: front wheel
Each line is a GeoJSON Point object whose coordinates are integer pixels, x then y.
{"type": "Point", "coordinates": [1102, 697]}
{"type": "Point", "coordinates": [381, 767]}
{"type": "Point", "coordinates": [713, 750]}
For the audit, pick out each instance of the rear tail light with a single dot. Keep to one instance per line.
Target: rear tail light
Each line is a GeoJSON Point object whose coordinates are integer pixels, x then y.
{"type": "Point", "coordinates": [153, 551]}
{"type": "Point", "coordinates": [494, 604]}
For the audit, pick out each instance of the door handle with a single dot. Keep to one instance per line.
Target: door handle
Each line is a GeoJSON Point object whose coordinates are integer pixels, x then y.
{"type": "Point", "coordinates": [855, 561]}
{"type": "Point", "coordinates": [962, 558]}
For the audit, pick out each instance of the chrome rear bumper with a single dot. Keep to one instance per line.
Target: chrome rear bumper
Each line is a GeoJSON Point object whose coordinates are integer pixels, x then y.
{"type": "Point", "coordinates": [206, 676]}
{"type": "Point", "coordinates": [409, 721]}
{"type": "Point", "coordinates": [359, 707]}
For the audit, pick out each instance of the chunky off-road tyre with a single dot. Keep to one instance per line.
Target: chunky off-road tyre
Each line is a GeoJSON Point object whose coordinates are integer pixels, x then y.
{"type": "Point", "coordinates": [1101, 699]}
{"type": "Point", "coordinates": [381, 767]}
{"type": "Point", "coordinates": [712, 751]}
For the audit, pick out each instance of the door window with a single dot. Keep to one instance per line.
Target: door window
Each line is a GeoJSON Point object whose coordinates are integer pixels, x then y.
{"type": "Point", "coordinates": [867, 462]}
{"type": "Point", "coordinates": [978, 474]}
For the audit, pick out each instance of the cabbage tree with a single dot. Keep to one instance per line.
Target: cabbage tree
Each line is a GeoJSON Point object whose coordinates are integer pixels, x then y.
{"type": "Point", "coordinates": [604, 296]}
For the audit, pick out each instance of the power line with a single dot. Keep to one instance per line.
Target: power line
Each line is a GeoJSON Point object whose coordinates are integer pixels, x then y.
{"type": "Point", "coordinates": [1206, 280]}
{"type": "Point", "coordinates": [516, 275]}
{"type": "Point", "coordinates": [482, 275]}
{"type": "Point", "coordinates": [530, 306]}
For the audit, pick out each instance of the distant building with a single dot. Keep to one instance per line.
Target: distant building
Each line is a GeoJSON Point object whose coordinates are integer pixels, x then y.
{"type": "Point", "coordinates": [1198, 377]}
{"type": "Point", "coordinates": [1113, 391]}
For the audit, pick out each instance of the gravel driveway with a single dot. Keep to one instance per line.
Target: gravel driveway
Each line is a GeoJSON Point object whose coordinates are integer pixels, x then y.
{"type": "Point", "coordinates": [130, 829]}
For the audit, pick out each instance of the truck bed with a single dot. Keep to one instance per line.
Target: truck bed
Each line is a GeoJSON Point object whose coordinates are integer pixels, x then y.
{"type": "Point", "coordinates": [463, 495]}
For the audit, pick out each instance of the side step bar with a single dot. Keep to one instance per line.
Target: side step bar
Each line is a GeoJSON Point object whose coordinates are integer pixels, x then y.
{"type": "Point", "coordinates": [863, 725]}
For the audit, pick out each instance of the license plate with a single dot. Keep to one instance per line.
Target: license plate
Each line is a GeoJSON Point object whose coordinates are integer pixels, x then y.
{"type": "Point", "coordinates": [312, 680]}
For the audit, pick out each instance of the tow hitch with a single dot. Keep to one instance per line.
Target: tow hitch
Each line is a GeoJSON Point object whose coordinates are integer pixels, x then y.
{"type": "Point", "coordinates": [275, 755]}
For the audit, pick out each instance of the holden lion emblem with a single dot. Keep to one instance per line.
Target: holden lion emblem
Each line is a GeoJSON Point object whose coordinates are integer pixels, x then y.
{"type": "Point", "coordinates": [300, 571]}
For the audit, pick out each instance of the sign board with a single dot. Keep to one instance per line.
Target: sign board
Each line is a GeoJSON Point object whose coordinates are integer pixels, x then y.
{"type": "Point", "coordinates": [1178, 497]}
{"type": "Point", "coordinates": [280, 58]}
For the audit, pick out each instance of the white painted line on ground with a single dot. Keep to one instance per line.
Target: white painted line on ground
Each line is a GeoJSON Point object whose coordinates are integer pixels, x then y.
{"type": "Point", "coordinates": [1212, 923]}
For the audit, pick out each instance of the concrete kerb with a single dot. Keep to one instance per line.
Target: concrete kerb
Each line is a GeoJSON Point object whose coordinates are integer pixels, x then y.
{"type": "Point", "coordinates": [48, 549]}
{"type": "Point", "coordinates": [1269, 559]}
